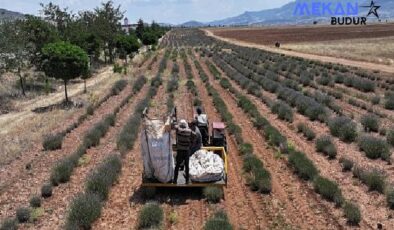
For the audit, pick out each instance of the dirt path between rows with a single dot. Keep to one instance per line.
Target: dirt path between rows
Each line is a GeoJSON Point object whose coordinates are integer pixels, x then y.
{"type": "Point", "coordinates": [342, 61]}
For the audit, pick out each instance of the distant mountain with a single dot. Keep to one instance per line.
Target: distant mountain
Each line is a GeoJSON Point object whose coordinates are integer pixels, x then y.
{"type": "Point", "coordinates": [285, 15]}
{"type": "Point", "coordinates": [192, 24]}
{"type": "Point", "coordinates": [10, 15]}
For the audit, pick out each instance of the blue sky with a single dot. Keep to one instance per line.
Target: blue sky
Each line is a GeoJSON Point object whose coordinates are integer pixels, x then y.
{"type": "Point", "coordinates": [169, 11]}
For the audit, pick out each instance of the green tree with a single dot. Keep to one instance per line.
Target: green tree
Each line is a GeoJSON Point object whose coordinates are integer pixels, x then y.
{"type": "Point", "coordinates": [107, 26]}
{"type": "Point", "coordinates": [59, 16]}
{"type": "Point", "coordinates": [149, 38]}
{"type": "Point", "coordinates": [139, 31]}
{"type": "Point", "coordinates": [126, 45]}
{"type": "Point", "coordinates": [62, 60]}
{"type": "Point", "coordinates": [38, 33]}
{"type": "Point", "coordinates": [14, 46]}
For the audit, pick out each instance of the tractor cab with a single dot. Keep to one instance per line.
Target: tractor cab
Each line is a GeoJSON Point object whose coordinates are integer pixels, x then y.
{"type": "Point", "coordinates": [218, 137]}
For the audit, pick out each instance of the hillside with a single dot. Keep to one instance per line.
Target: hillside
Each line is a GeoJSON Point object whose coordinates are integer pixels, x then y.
{"type": "Point", "coordinates": [284, 15]}
{"type": "Point", "coordinates": [9, 15]}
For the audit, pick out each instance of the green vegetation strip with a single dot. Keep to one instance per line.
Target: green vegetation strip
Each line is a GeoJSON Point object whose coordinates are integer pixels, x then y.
{"type": "Point", "coordinates": [86, 207]}
{"type": "Point", "coordinates": [301, 164]}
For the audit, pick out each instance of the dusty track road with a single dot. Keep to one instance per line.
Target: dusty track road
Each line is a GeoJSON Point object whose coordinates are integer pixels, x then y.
{"type": "Point", "coordinates": [342, 61]}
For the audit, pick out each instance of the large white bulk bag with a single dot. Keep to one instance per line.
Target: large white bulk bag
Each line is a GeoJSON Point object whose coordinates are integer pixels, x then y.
{"type": "Point", "coordinates": [156, 151]}
{"type": "Point", "coordinates": [206, 166]}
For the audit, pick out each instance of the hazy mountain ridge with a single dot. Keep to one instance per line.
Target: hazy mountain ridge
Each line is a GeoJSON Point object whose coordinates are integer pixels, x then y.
{"type": "Point", "coordinates": [285, 15]}
{"type": "Point", "coordinates": [10, 15]}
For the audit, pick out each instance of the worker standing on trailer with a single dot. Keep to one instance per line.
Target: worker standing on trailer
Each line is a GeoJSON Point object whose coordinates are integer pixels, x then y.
{"type": "Point", "coordinates": [184, 137]}
{"type": "Point", "coordinates": [197, 142]}
{"type": "Point", "coordinates": [202, 124]}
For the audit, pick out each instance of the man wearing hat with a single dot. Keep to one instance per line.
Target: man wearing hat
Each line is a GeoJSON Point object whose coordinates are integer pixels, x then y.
{"type": "Point", "coordinates": [185, 137]}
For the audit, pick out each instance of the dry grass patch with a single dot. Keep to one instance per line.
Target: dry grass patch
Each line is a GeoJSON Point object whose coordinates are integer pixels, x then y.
{"type": "Point", "coordinates": [377, 50]}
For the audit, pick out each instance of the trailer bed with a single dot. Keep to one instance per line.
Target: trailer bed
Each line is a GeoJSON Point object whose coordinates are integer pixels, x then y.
{"type": "Point", "coordinates": [181, 177]}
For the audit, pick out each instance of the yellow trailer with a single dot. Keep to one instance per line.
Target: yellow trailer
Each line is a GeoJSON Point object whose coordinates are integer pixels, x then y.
{"type": "Point", "coordinates": [181, 179]}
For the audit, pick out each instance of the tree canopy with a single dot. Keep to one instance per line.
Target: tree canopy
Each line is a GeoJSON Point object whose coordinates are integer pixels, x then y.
{"type": "Point", "coordinates": [65, 61]}
{"type": "Point", "coordinates": [127, 44]}
{"type": "Point", "coordinates": [14, 49]}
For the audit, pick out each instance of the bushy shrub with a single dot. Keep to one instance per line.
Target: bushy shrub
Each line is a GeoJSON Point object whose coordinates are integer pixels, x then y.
{"type": "Point", "coordinates": [35, 202]}
{"type": "Point", "coordinates": [213, 194]}
{"type": "Point", "coordinates": [328, 189]}
{"type": "Point", "coordinates": [157, 81]}
{"type": "Point", "coordinates": [274, 137]}
{"type": "Point", "coordinates": [150, 216]}
{"type": "Point", "coordinates": [23, 215]}
{"type": "Point", "coordinates": [375, 100]}
{"type": "Point", "coordinates": [373, 178]}
{"type": "Point", "coordinates": [90, 110]}
{"type": "Point", "coordinates": [172, 84]}
{"type": "Point", "coordinates": [118, 87]}
{"type": "Point", "coordinates": [117, 68]}
{"type": "Point", "coordinates": [9, 224]}
{"type": "Point", "coordinates": [389, 100]}
{"type": "Point", "coordinates": [374, 147]}
{"type": "Point", "coordinates": [93, 136]}
{"type": "Point", "coordinates": [250, 161]}
{"type": "Point", "coordinates": [370, 123]}
{"type": "Point", "coordinates": [258, 178]}
{"type": "Point", "coordinates": [306, 131]}
{"type": "Point", "coordinates": [84, 210]}
{"type": "Point", "coordinates": [61, 173]}
{"type": "Point", "coordinates": [390, 198]}
{"type": "Point", "coordinates": [283, 111]}
{"type": "Point", "coordinates": [225, 83]}
{"type": "Point", "coordinates": [390, 137]}
{"type": "Point", "coordinates": [245, 148]}
{"type": "Point", "coordinates": [325, 145]}
{"type": "Point", "coordinates": [139, 83]}
{"type": "Point", "coordinates": [352, 213]}
{"type": "Point", "coordinates": [101, 180]}
{"type": "Point", "coordinates": [53, 142]}
{"type": "Point", "coordinates": [219, 221]}
{"type": "Point", "coordinates": [303, 166]}
{"type": "Point", "coordinates": [324, 80]}
{"type": "Point", "coordinates": [110, 119]}
{"type": "Point", "coordinates": [361, 84]}
{"type": "Point", "coordinates": [346, 164]}
{"type": "Point", "coordinates": [343, 128]}
{"type": "Point", "coordinates": [46, 190]}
